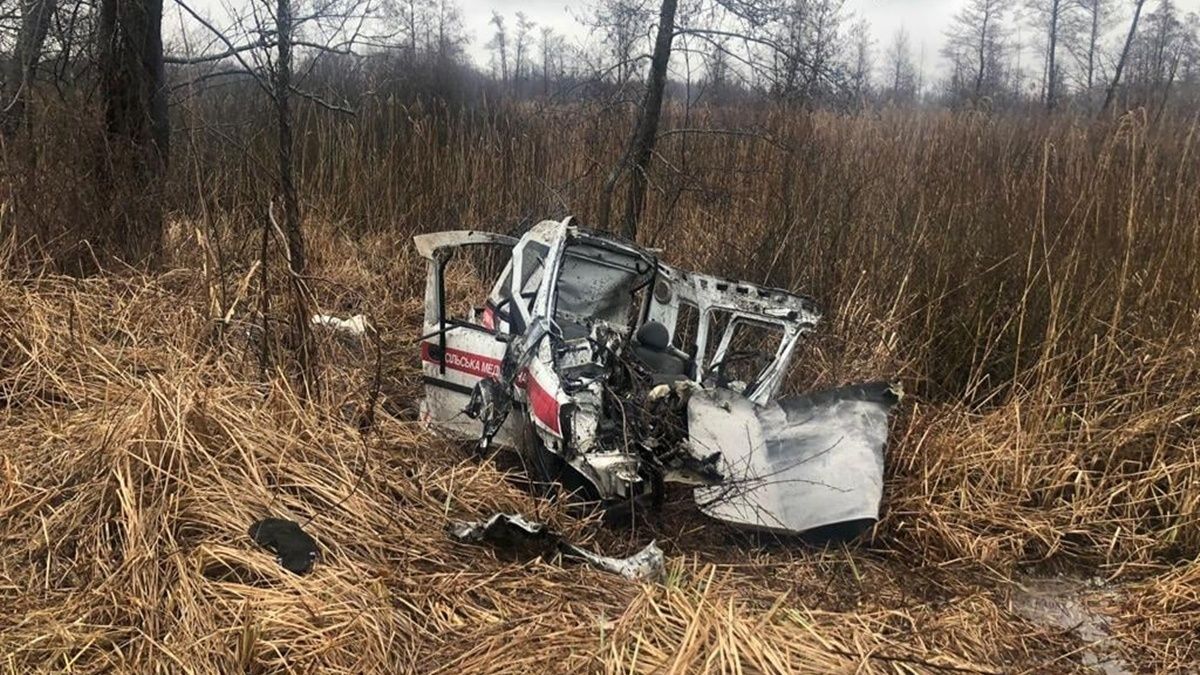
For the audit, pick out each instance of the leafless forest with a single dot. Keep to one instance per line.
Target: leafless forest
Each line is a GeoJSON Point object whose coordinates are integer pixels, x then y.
{"type": "Point", "coordinates": [1013, 235]}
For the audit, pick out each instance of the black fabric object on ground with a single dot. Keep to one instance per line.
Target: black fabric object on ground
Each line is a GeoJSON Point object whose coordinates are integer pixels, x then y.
{"type": "Point", "coordinates": [295, 550]}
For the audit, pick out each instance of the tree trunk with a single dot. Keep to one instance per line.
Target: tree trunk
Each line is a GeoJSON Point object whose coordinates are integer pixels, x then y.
{"type": "Point", "coordinates": [647, 131]}
{"type": "Point", "coordinates": [1171, 73]}
{"type": "Point", "coordinates": [35, 22]}
{"type": "Point", "coordinates": [136, 125]}
{"type": "Point", "coordinates": [1116, 81]}
{"type": "Point", "coordinates": [300, 336]}
{"type": "Point", "coordinates": [1052, 53]}
{"type": "Point", "coordinates": [641, 145]}
{"type": "Point", "coordinates": [983, 40]}
{"type": "Point", "coordinates": [1093, 41]}
{"type": "Point", "coordinates": [287, 186]}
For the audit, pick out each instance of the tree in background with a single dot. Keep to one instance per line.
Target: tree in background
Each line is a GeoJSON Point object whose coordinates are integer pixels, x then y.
{"type": "Point", "coordinates": [134, 95]}
{"type": "Point", "coordinates": [1166, 43]}
{"type": "Point", "coordinates": [1111, 91]}
{"type": "Point", "coordinates": [975, 48]}
{"type": "Point", "coordinates": [499, 45]}
{"type": "Point", "coordinates": [408, 14]}
{"type": "Point", "coordinates": [263, 46]}
{"type": "Point", "coordinates": [715, 25]}
{"type": "Point", "coordinates": [717, 84]}
{"type": "Point", "coordinates": [1087, 42]}
{"type": "Point", "coordinates": [522, 45]}
{"type": "Point", "coordinates": [807, 55]}
{"type": "Point", "coordinates": [22, 65]}
{"type": "Point", "coordinates": [636, 159]}
{"type": "Point", "coordinates": [451, 37]}
{"type": "Point", "coordinates": [618, 26]}
{"type": "Point", "coordinates": [1051, 16]}
{"type": "Point", "coordinates": [862, 64]}
{"type": "Point", "coordinates": [427, 31]}
{"type": "Point", "coordinates": [552, 48]}
{"type": "Point", "coordinates": [901, 71]}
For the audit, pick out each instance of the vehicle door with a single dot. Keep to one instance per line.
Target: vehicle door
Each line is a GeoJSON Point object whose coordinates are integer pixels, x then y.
{"type": "Point", "coordinates": [458, 347]}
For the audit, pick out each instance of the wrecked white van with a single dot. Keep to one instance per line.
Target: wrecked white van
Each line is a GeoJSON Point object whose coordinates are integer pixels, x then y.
{"type": "Point", "coordinates": [614, 373]}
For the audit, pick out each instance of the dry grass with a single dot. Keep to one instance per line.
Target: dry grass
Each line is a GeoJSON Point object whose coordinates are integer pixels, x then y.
{"type": "Point", "coordinates": [1163, 615]}
{"type": "Point", "coordinates": [1033, 282]}
{"type": "Point", "coordinates": [137, 452]}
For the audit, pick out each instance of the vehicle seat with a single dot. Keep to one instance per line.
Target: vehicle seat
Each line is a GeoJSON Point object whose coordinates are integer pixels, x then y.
{"type": "Point", "coordinates": [652, 346]}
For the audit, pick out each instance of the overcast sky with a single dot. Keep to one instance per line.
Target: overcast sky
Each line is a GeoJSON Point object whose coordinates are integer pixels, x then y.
{"type": "Point", "coordinates": [925, 20]}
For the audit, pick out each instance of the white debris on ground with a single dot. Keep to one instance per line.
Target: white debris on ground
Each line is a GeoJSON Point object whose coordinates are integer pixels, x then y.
{"type": "Point", "coordinates": [356, 325]}
{"type": "Point", "coordinates": [645, 565]}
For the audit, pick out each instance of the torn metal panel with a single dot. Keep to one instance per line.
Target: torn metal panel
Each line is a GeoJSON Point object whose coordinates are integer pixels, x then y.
{"type": "Point", "coordinates": [513, 531]}
{"type": "Point", "coordinates": [429, 244]}
{"type": "Point", "coordinates": [798, 463]}
{"type": "Point", "coordinates": [645, 565]}
{"type": "Point", "coordinates": [500, 528]}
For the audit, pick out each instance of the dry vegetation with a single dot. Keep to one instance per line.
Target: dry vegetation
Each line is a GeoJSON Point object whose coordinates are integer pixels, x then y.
{"type": "Point", "coordinates": [1034, 283]}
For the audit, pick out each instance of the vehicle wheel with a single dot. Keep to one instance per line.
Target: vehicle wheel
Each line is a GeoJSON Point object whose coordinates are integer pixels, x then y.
{"type": "Point", "coordinates": [545, 471]}
{"type": "Point", "coordinates": [641, 507]}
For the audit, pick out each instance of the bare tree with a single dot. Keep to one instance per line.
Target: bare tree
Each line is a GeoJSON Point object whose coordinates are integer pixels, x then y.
{"type": "Point", "coordinates": [427, 30]}
{"type": "Point", "coordinates": [902, 76]}
{"type": "Point", "coordinates": [300, 330]}
{"type": "Point", "coordinates": [619, 24]}
{"type": "Point", "coordinates": [551, 54]}
{"type": "Point", "coordinates": [1160, 49]}
{"type": "Point", "coordinates": [716, 85]}
{"type": "Point", "coordinates": [132, 87]}
{"type": "Point", "coordinates": [863, 61]}
{"type": "Point", "coordinates": [808, 50]}
{"type": "Point", "coordinates": [1097, 15]}
{"type": "Point", "coordinates": [1116, 80]}
{"type": "Point", "coordinates": [409, 16]}
{"type": "Point", "coordinates": [741, 31]}
{"type": "Point", "coordinates": [521, 46]}
{"type": "Point", "coordinates": [974, 38]}
{"type": "Point", "coordinates": [499, 44]}
{"type": "Point", "coordinates": [1051, 15]}
{"type": "Point", "coordinates": [35, 23]}
{"type": "Point", "coordinates": [793, 32]}
{"type": "Point", "coordinates": [641, 144]}
{"type": "Point", "coordinates": [1018, 63]}
{"type": "Point", "coordinates": [450, 36]}
{"type": "Point", "coordinates": [264, 45]}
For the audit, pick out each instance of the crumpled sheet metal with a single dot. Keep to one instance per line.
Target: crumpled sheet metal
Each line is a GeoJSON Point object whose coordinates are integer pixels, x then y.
{"type": "Point", "coordinates": [645, 565]}
{"type": "Point", "coordinates": [799, 463]}
{"type": "Point", "coordinates": [502, 528]}
{"type": "Point", "coordinates": [512, 531]}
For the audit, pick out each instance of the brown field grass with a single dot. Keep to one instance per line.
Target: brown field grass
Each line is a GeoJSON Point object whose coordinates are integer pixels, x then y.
{"type": "Point", "coordinates": [1032, 282]}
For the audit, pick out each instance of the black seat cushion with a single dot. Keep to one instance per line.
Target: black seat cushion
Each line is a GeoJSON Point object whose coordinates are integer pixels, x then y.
{"type": "Point", "coordinates": [654, 335]}
{"type": "Point", "coordinates": [652, 347]}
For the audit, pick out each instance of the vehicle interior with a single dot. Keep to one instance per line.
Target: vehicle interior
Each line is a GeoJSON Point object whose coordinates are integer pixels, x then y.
{"type": "Point", "coordinates": [598, 282]}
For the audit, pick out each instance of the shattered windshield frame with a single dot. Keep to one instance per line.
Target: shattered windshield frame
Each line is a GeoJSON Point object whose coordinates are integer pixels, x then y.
{"type": "Point", "coordinates": [575, 305]}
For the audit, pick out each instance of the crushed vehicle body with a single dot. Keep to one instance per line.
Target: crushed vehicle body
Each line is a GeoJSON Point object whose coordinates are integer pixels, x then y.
{"type": "Point", "coordinates": [614, 373]}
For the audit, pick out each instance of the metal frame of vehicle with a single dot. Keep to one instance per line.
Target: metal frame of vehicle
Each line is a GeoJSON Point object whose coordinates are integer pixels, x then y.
{"type": "Point", "coordinates": [572, 302]}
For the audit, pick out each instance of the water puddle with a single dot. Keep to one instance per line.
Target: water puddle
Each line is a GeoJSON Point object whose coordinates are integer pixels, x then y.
{"type": "Point", "coordinates": [1068, 604]}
